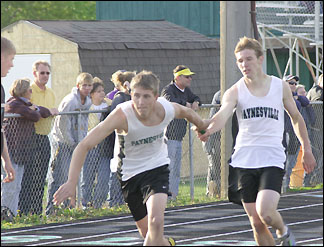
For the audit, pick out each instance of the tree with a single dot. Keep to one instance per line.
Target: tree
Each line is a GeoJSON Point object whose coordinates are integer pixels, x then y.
{"type": "Point", "coordinates": [12, 11]}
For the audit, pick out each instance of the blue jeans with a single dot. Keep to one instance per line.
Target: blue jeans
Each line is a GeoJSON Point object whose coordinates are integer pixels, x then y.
{"type": "Point", "coordinates": [10, 191]}
{"type": "Point", "coordinates": [58, 175]}
{"type": "Point", "coordinates": [115, 193]}
{"type": "Point", "coordinates": [175, 155]}
{"type": "Point", "coordinates": [34, 179]}
{"type": "Point", "coordinates": [98, 166]}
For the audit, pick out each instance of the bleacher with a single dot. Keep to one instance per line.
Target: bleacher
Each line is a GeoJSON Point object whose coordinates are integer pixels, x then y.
{"type": "Point", "coordinates": [296, 17]}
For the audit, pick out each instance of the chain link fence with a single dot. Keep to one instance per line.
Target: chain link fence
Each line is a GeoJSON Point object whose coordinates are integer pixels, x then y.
{"type": "Point", "coordinates": [42, 163]}
{"type": "Point", "coordinates": [304, 18]}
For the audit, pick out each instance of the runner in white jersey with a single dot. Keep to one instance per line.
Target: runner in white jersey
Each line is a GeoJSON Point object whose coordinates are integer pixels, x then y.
{"type": "Point", "coordinates": [144, 145]}
{"type": "Point", "coordinates": [262, 119]}
{"type": "Point", "coordinates": [257, 164]}
{"type": "Point", "coordinates": [143, 169]}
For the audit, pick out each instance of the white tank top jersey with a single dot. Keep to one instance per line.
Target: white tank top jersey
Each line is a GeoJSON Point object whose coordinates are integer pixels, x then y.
{"type": "Point", "coordinates": [261, 125]}
{"type": "Point", "coordinates": [144, 147]}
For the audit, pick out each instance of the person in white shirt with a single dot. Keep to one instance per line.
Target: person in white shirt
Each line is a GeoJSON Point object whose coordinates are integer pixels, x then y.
{"type": "Point", "coordinates": [140, 124]}
{"type": "Point", "coordinates": [258, 158]}
{"type": "Point", "coordinates": [96, 170]}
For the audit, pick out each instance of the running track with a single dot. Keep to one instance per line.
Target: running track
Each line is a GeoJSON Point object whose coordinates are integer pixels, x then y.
{"type": "Point", "coordinates": [214, 224]}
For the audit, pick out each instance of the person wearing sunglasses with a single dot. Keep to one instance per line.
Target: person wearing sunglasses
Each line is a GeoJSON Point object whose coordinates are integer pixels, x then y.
{"type": "Point", "coordinates": [20, 133]}
{"type": "Point", "coordinates": [178, 91]}
{"type": "Point", "coordinates": [34, 179]}
{"type": "Point", "coordinates": [293, 145]}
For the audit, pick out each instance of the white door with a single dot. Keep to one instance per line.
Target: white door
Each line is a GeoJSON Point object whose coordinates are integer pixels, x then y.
{"type": "Point", "coordinates": [23, 68]}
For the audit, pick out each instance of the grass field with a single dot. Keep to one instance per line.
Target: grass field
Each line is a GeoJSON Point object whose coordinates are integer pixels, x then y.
{"type": "Point", "coordinates": [66, 215]}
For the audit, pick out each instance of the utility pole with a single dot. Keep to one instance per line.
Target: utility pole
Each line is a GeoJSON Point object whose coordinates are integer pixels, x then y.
{"type": "Point", "coordinates": [235, 22]}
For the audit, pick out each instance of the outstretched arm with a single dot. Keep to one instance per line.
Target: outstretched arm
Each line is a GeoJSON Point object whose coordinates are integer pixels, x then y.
{"type": "Point", "coordinates": [115, 120]}
{"type": "Point", "coordinates": [190, 115]}
{"type": "Point", "coordinates": [218, 121]}
{"type": "Point", "coordinates": [300, 130]}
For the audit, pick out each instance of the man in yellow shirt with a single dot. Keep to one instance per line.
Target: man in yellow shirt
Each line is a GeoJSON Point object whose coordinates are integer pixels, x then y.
{"type": "Point", "coordinates": [31, 196]}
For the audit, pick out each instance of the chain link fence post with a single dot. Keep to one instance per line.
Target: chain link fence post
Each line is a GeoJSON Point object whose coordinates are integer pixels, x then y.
{"type": "Point", "coordinates": [192, 180]}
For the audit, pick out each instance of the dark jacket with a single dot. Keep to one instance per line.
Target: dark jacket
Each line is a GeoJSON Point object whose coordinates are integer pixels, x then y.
{"type": "Point", "coordinates": [108, 144]}
{"type": "Point", "coordinates": [177, 128]}
{"type": "Point", "coordinates": [119, 97]}
{"type": "Point", "coordinates": [293, 142]}
{"type": "Point", "coordinates": [20, 132]}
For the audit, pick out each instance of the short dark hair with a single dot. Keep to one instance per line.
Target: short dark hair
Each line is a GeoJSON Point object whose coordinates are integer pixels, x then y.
{"type": "Point", "coordinates": [97, 82]}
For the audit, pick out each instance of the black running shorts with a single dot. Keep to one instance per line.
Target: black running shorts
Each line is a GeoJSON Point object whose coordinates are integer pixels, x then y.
{"type": "Point", "coordinates": [249, 182]}
{"type": "Point", "coordinates": [139, 188]}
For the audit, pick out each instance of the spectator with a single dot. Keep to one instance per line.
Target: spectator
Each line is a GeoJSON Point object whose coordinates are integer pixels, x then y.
{"type": "Point", "coordinates": [123, 78]}
{"type": "Point", "coordinates": [307, 111]}
{"type": "Point", "coordinates": [309, 118]}
{"type": "Point", "coordinates": [293, 143]}
{"type": "Point", "coordinates": [118, 84]}
{"type": "Point", "coordinates": [97, 164]}
{"type": "Point", "coordinates": [67, 133]}
{"type": "Point", "coordinates": [178, 91]}
{"type": "Point", "coordinates": [315, 94]}
{"type": "Point", "coordinates": [21, 138]}
{"type": "Point", "coordinates": [34, 179]}
{"type": "Point", "coordinates": [212, 148]}
{"type": "Point", "coordinates": [8, 52]}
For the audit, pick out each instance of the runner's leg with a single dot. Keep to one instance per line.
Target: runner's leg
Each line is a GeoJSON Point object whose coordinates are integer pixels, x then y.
{"type": "Point", "coordinates": [155, 212]}
{"type": "Point", "coordinates": [262, 235]}
{"type": "Point", "coordinates": [266, 206]}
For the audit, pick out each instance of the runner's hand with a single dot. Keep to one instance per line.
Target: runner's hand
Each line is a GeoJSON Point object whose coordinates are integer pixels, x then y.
{"type": "Point", "coordinates": [65, 191]}
{"type": "Point", "coordinates": [308, 161]}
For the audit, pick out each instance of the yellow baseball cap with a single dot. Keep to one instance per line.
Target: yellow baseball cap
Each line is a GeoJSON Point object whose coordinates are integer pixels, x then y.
{"type": "Point", "coordinates": [183, 72]}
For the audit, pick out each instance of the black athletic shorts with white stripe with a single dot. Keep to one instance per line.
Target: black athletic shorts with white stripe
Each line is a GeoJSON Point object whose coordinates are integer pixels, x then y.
{"type": "Point", "coordinates": [244, 184]}
{"type": "Point", "coordinates": [139, 188]}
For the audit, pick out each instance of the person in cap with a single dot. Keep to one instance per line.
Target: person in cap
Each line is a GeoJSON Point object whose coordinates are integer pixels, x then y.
{"type": "Point", "coordinates": [293, 145]}
{"type": "Point", "coordinates": [178, 91]}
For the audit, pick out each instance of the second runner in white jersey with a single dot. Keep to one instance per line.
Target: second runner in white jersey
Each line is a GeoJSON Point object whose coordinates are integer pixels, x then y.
{"type": "Point", "coordinates": [261, 121]}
